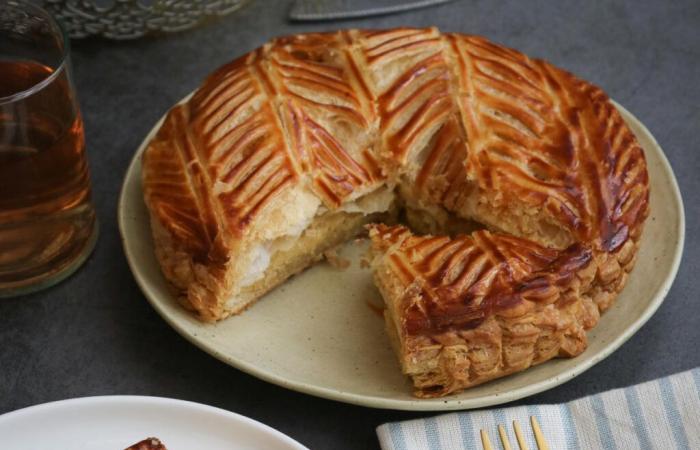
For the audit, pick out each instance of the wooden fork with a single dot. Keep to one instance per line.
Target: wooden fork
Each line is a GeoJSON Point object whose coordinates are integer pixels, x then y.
{"type": "Point", "coordinates": [539, 437]}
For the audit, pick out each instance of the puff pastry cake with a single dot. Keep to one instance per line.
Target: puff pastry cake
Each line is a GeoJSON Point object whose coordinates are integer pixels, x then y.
{"type": "Point", "coordinates": [296, 146]}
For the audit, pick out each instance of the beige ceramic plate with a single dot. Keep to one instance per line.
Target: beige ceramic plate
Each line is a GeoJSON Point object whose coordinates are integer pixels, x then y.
{"type": "Point", "coordinates": [316, 333]}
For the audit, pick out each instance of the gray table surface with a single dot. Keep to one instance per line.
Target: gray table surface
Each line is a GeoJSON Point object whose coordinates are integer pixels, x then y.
{"type": "Point", "coordinates": [95, 334]}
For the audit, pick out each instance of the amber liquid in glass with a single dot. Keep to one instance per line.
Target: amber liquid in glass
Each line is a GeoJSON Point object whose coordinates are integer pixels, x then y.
{"type": "Point", "coordinates": [46, 218]}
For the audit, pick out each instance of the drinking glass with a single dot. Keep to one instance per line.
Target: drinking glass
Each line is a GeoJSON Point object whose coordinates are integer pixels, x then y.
{"type": "Point", "coordinates": [47, 220]}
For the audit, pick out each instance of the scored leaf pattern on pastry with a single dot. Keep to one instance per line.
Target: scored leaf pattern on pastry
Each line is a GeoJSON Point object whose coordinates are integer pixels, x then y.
{"type": "Point", "coordinates": [412, 85]}
{"type": "Point", "coordinates": [462, 280]}
{"type": "Point", "coordinates": [175, 190]}
{"type": "Point", "coordinates": [553, 140]}
{"type": "Point", "coordinates": [241, 141]}
{"type": "Point", "coordinates": [469, 112]}
{"type": "Point", "coordinates": [327, 112]}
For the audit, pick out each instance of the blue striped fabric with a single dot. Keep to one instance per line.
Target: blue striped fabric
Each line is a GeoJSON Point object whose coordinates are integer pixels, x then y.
{"type": "Point", "coordinates": [397, 439]}
{"type": "Point", "coordinates": [672, 413]}
{"type": "Point", "coordinates": [467, 430]}
{"type": "Point", "coordinates": [572, 436]}
{"type": "Point", "coordinates": [602, 421]}
{"type": "Point", "coordinates": [432, 433]}
{"type": "Point", "coordinates": [640, 426]}
{"type": "Point", "coordinates": [661, 414]}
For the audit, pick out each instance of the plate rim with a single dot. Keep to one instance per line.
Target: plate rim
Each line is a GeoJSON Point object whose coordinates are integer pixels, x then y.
{"type": "Point", "coordinates": [137, 400]}
{"type": "Point", "coordinates": [440, 404]}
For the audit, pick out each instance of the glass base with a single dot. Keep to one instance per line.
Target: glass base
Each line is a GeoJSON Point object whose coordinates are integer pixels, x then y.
{"type": "Point", "coordinates": [40, 282]}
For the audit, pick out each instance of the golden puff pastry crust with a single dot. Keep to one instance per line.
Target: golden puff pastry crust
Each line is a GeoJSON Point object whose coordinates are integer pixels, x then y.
{"type": "Point", "coordinates": [464, 310]}
{"type": "Point", "coordinates": [453, 126]}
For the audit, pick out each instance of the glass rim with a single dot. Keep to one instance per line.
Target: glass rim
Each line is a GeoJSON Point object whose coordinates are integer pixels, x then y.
{"type": "Point", "coordinates": [63, 62]}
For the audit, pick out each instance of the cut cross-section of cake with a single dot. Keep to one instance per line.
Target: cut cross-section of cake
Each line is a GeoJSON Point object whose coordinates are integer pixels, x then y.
{"type": "Point", "coordinates": [464, 310]}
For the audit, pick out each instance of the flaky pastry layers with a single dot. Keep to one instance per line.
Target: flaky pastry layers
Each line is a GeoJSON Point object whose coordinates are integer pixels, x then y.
{"type": "Point", "coordinates": [465, 310]}
{"type": "Point", "coordinates": [293, 147]}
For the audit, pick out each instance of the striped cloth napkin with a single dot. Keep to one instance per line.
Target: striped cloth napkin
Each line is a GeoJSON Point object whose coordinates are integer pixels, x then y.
{"type": "Point", "coordinates": [661, 414]}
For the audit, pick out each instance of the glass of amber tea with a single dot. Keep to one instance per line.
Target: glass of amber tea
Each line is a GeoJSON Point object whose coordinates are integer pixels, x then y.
{"type": "Point", "coordinates": [47, 221]}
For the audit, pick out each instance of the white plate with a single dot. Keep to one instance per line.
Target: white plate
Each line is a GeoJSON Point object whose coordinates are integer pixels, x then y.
{"type": "Point", "coordinates": [316, 333]}
{"type": "Point", "coordinates": [116, 422]}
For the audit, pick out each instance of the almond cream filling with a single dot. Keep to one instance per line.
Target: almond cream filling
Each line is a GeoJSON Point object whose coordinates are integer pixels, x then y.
{"type": "Point", "coordinates": [261, 254]}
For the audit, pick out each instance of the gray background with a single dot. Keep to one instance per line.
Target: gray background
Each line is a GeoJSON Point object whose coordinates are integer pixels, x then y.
{"type": "Point", "coordinates": [95, 334]}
